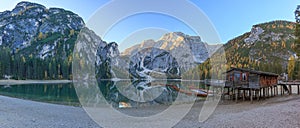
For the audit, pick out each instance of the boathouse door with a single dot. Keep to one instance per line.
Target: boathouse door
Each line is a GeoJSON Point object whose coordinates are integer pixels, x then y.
{"type": "Point", "coordinates": [254, 81]}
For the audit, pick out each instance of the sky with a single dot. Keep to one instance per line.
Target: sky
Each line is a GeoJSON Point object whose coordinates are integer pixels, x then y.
{"type": "Point", "coordinates": [230, 18]}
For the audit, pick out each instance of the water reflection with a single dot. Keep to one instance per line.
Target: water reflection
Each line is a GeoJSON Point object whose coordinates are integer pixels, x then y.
{"type": "Point", "coordinates": [52, 93]}
{"type": "Point", "coordinates": [138, 93]}
{"type": "Point", "coordinates": [120, 94]}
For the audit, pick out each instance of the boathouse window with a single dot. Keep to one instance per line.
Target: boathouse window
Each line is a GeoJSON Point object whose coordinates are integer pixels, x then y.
{"type": "Point", "coordinates": [244, 76]}
{"type": "Point", "coordinates": [230, 78]}
{"type": "Point", "coordinates": [237, 76]}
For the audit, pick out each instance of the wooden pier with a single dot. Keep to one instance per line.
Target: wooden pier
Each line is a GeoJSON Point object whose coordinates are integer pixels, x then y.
{"type": "Point", "coordinates": [253, 85]}
{"type": "Point", "coordinates": [288, 85]}
{"type": "Point", "coordinates": [239, 93]}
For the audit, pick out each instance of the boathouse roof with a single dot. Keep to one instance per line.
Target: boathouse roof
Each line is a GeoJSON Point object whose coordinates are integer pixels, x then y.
{"type": "Point", "coordinates": [253, 71]}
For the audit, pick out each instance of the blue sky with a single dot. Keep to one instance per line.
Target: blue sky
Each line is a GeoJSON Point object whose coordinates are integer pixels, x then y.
{"type": "Point", "coordinates": [230, 18]}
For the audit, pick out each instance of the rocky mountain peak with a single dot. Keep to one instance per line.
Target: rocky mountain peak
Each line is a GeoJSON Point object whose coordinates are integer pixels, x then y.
{"type": "Point", "coordinates": [266, 43]}
{"type": "Point", "coordinates": [172, 35]}
{"type": "Point", "coordinates": [28, 5]}
{"type": "Point", "coordinates": [148, 43]}
{"type": "Point", "coordinates": [179, 37]}
{"type": "Point", "coordinates": [254, 36]}
{"type": "Point", "coordinates": [152, 63]}
{"type": "Point", "coordinates": [30, 22]}
{"type": "Point", "coordinates": [188, 51]}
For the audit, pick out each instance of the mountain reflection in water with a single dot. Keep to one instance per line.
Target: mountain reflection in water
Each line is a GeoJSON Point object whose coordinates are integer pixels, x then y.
{"type": "Point", "coordinates": [119, 94]}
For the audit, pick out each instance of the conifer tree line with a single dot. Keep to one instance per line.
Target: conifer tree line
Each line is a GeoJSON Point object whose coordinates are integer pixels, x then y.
{"type": "Point", "coordinates": [30, 67]}
{"type": "Point", "coordinates": [294, 62]}
{"type": "Point", "coordinates": [25, 64]}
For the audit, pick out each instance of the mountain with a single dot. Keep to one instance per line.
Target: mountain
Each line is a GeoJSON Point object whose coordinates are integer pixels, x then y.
{"type": "Point", "coordinates": [268, 46]}
{"type": "Point", "coordinates": [188, 50]}
{"type": "Point", "coordinates": [38, 42]}
{"type": "Point", "coordinates": [31, 28]}
{"type": "Point", "coordinates": [152, 63]}
{"type": "Point", "coordinates": [173, 54]}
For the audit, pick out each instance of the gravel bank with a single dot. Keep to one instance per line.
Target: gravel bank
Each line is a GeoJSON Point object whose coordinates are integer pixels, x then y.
{"type": "Point", "coordinates": [273, 112]}
{"type": "Point", "coordinates": [17, 113]}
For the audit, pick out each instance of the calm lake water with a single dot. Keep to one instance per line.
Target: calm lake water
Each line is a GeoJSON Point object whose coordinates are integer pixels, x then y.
{"type": "Point", "coordinates": [141, 93]}
{"type": "Point", "coordinates": [52, 93]}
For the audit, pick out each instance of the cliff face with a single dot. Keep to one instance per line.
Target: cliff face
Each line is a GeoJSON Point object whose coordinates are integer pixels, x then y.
{"type": "Point", "coordinates": [187, 51]}
{"type": "Point", "coordinates": [179, 45]}
{"type": "Point", "coordinates": [266, 44]}
{"type": "Point", "coordinates": [154, 63]}
{"type": "Point", "coordinates": [32, 27]}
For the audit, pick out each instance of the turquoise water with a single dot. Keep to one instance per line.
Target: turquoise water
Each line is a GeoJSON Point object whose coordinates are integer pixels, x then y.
{"type": "Point", "coordinates": [112, 91]}
{"type": "Point", "coordinates": [51, 93]}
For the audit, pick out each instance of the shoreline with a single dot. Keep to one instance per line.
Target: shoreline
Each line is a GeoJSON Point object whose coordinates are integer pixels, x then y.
{"type": "Point", "coordinates": [19, 82]}
{"type": "Point", "coordinates": [281, 111]}
{"type": "Point", "coordinates": [22, 113]}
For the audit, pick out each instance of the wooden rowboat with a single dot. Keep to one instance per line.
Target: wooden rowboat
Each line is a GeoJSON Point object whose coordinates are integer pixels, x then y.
{"type": "Point", "coordinates": [191, 92]}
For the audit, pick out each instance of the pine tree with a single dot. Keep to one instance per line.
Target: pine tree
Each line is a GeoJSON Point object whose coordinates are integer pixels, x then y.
{"type": "Point", "coordinates": [291, 67]}
{"type": "Point", "coordinates": [297, 44]}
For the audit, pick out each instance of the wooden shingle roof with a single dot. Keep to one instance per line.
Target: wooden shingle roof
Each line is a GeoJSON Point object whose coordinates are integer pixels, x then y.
{"type": "Point", "coordinates": [253, 71]}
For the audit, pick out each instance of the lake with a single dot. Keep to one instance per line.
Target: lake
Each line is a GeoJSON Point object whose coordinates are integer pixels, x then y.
{"type": "Point", "coordinates": [119, 94]}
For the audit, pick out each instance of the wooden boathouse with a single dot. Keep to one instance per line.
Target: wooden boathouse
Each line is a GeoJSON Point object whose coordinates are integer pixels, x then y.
{"type": "Point", "coordinates": [247, 83]}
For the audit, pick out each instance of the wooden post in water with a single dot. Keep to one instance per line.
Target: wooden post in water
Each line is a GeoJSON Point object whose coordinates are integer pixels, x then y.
{"type": "Point", "coordinates": [268, 91]}
{"type": "Point", "coordinates": [298, 89]}
{"type": "Point", "coordinates": [228, 92]}
{"type": "Point", "coordinates": [276, 90]}
{"type": "Point", "coordinates": [259, 93]}
{"type": "Point", "coordinates": [251, 95]}
{"type": "Point", "coordinates": [271, 91]}
{"type": "Point", "coordinates": [232, 93]}
{"type": "Point", "coordinates": [236, 95]}
{"type": "Point", "coordinates": [290, 86]}
{"type": "Point", "coordinates": [267, 95]}
{"type": "Point", "coordinates": [244, 93]}
{"type": "Point", "coordinates": [263, 92]}
{"type": "Point", "coordinates": [282, 90]}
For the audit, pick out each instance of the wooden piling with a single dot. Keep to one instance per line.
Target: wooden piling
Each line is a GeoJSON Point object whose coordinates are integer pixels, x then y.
{"type": "Point", "coordinates": [298, 89]}
{"type": "Point", "coordinates": [251, 95]}
{"type": "Point", "coordinates": [271, 91]}
{"type": "Point", "coordinates": [282, 90]}
{"type": "Point", "coordinates": [257, 95]}
{"type": "Point", "coordinates": [264, 93]}
{"type": "Point", "coordinates": [277, 90]}
{"type": "Point", "coordinates": [290, 86]}
{"type": "Point", "coordinates": [236, 96]}
{"type": "Point", "coordinates": [244, 93]}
